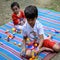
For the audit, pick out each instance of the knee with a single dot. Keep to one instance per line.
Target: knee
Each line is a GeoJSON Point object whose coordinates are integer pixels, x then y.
{"type": "Point", "coordinates": [57, 49]}
{"type": "Point", "coordinates": [28, 52]}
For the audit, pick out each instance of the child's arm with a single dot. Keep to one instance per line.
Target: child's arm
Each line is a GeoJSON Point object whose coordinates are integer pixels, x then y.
{"type": "Point", "coordinates": [41, 40]}
{"type": "Point", "coordinates": [24, 43]}
{"type": "Point", "coordinates": [15, 19]}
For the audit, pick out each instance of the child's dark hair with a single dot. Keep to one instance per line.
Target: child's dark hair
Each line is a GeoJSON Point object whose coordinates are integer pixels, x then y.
{"type": "Point", "coordinates": [15, 4]}
{"type": "Point", "coordinates": [31, 12]}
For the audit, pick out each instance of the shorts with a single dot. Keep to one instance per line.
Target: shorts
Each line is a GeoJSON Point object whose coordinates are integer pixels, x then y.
{"type": "Point", "coordinates": [48, 43]}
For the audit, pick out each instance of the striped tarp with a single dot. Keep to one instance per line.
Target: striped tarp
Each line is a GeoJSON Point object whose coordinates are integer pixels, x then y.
{"type": "Point", "coordinates": [9, 51]}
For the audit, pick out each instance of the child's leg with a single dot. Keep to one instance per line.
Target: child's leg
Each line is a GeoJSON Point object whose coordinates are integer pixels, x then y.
{"type": "Point", "coordinates": [51, 44]}
{"type": "Point", "coordinates": [28, 52]}
{"type": "Point", "coordinates": [56, 47]}
{"type": "Point", "coordinates": [46, 49]}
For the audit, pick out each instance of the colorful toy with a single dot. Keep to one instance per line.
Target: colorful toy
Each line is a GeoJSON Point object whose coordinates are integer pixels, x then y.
{"type": "Point", "coordinates": [34, 56]}
{"type": "Point", "coordinates": [19, 31]}
{"type": "Point", "coordinates": [35, 44]}
{"type": "Point", "coordinates": [31, 45]}
{"type": "Point", "coordinates": [19, 44]}
{"type": "Point", "coordinates": [14, 29]}
{"type": "Point", "coordinates": [9, 36]}
{"type": "Point", "coordinates": [7, 31]}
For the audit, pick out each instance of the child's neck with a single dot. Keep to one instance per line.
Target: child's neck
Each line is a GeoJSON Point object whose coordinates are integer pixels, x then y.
{"type": "Point", "coordinates": [18, 14]}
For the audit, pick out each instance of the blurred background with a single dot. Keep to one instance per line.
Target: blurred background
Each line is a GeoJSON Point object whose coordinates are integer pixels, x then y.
{"type": "Point", "coordinates": [5, 11]}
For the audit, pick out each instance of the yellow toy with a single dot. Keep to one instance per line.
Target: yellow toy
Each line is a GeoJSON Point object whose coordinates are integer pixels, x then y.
{"type": "Point", "coordinates": [35, 45]}
{"type": "Point", "coordinates": [31, 59]}
{"type": "Point", "coordinates": [19, 44]}
{"type": "Point", "coordinates": [27, 39]}
{"type": "Point", "coordinates": [14, 29]}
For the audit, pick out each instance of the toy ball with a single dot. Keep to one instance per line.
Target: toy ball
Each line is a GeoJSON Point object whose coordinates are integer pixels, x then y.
{"type": "Point", "coordinates": [19, 44]}
{"type": "Point", "coordinates": [35, 45]}
{"type": "Point", "coordinates": [28, 39]}
{"type": "Point", "coordinates": [31, 59]}
{"type": "Point", "coordinates": [14, 29]}
{"type": "Point", "coordinates": [14, 43]}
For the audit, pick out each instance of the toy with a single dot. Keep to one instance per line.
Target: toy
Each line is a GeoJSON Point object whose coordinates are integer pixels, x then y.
{"type": "Point", "coordinates": [35, 44]}
{"type": "Point", "coordinates": [31, 45]}
{"type": "Point", "coordinates": [9, 36]}
{"type": "Point", "coordinates": [19, 31]}
{"type": "Point", "coordinates": [19, 44]}
{"type": "Point", "coordinates": [14, 43]}
{"type": "Point", "coordinates": [34, 56]}
{"type": "Point", "coordinates": [7, 31]}
{"type": "Point", "coordinates": [14, 29]}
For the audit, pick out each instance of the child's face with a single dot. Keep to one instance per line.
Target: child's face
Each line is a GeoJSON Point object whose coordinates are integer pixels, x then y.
{"type": "Point", "coordinates": [31, 22]}
{"type": "Point", "coordinates": [15, 9]}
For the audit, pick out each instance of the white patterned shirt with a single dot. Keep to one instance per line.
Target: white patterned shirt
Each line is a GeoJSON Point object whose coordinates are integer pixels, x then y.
{"type": "Point", "coordinates": [34, 32]}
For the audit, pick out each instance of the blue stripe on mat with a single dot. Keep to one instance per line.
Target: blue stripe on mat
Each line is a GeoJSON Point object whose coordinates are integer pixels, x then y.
{"type": "Point", "coordinates": [2, 57]}
{"type": "Point", "coordinates": [49, 16]}
{"type": "Point", "coordinates": [52, 15]}
{"type": "Point", "coordinates": [49, 24]}
{"type": "Point", "coordinates": [9, 54]}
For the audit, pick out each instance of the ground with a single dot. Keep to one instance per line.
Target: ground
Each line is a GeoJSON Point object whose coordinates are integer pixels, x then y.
{"type": "Point", "coordinates": [5, 11]}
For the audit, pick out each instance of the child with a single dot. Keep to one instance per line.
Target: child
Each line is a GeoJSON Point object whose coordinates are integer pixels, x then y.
{"type": "Point", "coordinates": [18, 16]}
{"type": "Point", "coordinates": [33, 29]}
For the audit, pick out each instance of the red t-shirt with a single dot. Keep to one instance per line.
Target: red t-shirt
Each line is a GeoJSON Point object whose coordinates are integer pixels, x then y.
{"type": "Point", "coordinates": [16, 18]}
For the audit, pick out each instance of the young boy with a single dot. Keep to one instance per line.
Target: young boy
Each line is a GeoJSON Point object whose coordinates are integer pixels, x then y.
{"type": "Point", "coordinates": [33, 29]}
{"type": "Point", "coordinates": [18, 16]}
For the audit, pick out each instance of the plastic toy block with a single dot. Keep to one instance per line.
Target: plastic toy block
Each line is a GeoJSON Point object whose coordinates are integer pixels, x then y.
{"type": "Point", "coordinates": [31, 59]}
{"type": "Point", "coordinates": [7, 31]}
{"type": "Point", "coordinates": [10, 36]}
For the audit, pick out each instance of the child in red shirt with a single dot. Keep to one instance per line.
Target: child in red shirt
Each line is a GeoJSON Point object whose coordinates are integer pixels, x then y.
{"type": "Point", "coordinates": [18, 16]}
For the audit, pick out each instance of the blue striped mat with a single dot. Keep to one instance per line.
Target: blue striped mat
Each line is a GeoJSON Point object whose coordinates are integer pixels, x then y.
{"type": "Point", "coordinates": [51, 21]}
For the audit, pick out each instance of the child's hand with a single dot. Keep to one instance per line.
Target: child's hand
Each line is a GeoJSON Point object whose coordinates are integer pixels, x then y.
{"type": "Point", "coordinates": [23, 49]}
{"type": "Point", "coordinates": [19, 21]}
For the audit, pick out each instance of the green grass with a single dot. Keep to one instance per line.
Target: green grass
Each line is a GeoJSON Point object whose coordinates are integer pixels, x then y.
{"type": "Point", "coordinates": [5, 11]}
{"type": "Point", "coordinates": [55, 5]}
